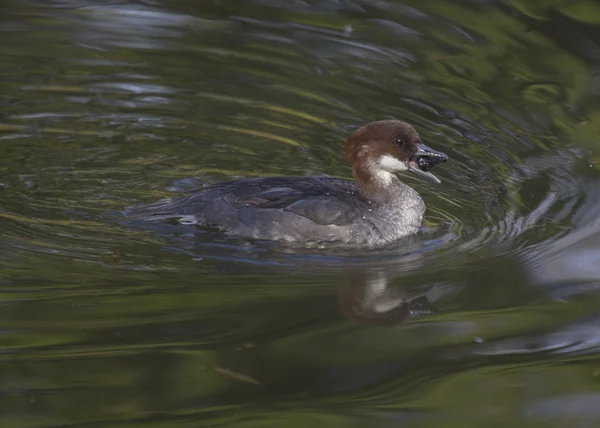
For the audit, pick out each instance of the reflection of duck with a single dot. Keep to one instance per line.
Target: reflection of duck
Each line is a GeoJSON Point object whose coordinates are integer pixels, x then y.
{"type": "Point", "coordinates": [378, 209]}
{"type": "Point", "coordinates": [369, 298]}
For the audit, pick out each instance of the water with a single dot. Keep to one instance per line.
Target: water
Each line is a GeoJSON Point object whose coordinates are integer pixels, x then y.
{"type": "Point", "coordinates": [489, 317]}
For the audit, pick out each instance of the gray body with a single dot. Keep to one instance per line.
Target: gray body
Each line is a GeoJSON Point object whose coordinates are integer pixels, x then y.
{"type": "Point", "coordinates": [305, 210]}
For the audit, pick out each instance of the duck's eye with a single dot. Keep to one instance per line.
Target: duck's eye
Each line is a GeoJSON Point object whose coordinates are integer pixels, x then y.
{"type": "Point", "coordinates": [399, 142]}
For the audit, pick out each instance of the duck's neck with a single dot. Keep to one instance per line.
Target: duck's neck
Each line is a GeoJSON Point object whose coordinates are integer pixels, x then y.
{"type": "Point", "coordinates": [382, 186]}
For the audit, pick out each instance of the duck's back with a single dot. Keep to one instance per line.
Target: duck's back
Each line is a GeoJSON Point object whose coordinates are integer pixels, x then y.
{"type": "Point", "coordinates": [301, 209]}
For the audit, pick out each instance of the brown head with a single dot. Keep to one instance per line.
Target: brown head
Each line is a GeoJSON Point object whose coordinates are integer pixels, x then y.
{"type": "Point", "coordinates": [378, 150]}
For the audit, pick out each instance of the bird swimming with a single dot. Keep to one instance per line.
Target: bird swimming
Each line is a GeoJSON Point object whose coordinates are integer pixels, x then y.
{"type": "Point", "coordinates": [376, 209]}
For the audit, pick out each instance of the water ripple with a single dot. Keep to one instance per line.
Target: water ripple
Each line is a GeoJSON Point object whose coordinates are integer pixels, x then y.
{"type": "Point", "coordinates": [111, 104]}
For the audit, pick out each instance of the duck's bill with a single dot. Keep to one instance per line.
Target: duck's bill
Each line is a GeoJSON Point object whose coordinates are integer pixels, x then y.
{"type": "Point", "coordinates": [413, 167]}
{"type": "Point", "coordinates": [424, 159]}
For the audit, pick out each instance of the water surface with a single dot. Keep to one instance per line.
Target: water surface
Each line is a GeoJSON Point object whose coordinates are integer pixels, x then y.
{"type": "Point", "coordinates": [488, 317]}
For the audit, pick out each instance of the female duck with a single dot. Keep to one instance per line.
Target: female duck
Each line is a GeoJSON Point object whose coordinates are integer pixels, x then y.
{"type": "Point", "coordinates": [376, 210]}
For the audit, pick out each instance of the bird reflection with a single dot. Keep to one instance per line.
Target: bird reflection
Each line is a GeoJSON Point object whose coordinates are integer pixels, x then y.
{"type": "Point", "coordinates": [369, 298]}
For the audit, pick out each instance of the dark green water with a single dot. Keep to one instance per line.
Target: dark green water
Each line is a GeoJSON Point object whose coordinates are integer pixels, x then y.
{"type": "Point", "coordinates": [109, 323]}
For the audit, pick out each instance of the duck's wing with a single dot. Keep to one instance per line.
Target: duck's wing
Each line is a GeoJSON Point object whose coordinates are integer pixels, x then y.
{"type": "Point", "coordinates": [323, 202]}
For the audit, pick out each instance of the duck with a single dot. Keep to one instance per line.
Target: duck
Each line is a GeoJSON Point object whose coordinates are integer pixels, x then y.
{"type": "Point", "coordinates": [377, 208]}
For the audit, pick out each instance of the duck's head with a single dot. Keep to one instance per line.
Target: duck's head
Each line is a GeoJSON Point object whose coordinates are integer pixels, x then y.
{"type": "Point", "coordinates": [378, 150]}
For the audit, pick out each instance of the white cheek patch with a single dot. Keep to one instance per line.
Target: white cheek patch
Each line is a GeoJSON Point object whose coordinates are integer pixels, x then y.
{"type": "Point", "coordinates": [391, 164]}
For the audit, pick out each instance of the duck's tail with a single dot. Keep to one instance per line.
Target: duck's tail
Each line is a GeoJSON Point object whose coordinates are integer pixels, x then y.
{"type": "Point", "coordinates": [157, 211]}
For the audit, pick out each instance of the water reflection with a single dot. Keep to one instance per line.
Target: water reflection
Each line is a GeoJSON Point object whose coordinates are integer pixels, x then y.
{"type": "Point", "coordinates": [369, 298]}
{"type": "Point", "coordinates": [489, 314]}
